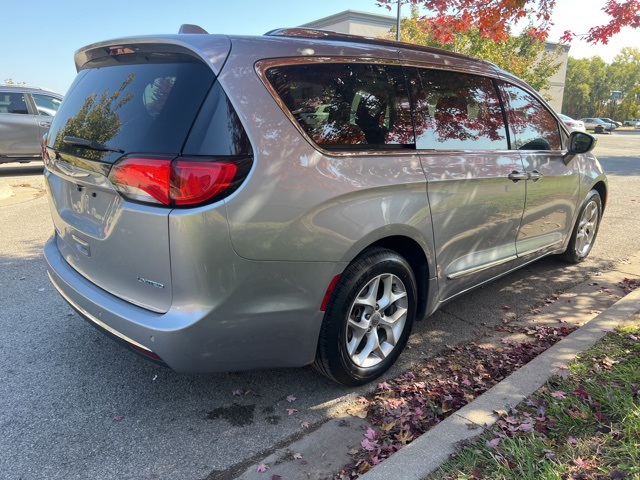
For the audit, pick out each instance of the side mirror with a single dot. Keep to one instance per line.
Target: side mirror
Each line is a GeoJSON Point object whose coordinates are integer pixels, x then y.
{"type": "Point", "coordinates": [580, 142]}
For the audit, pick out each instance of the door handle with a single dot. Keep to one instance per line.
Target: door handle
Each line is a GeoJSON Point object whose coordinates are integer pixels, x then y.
{"type": "Point", "coordinates": [45, 124]}
{"type": "Point", "coordinates": [516, 176]}
{"type": "Point", "coordinates": [535, 175]}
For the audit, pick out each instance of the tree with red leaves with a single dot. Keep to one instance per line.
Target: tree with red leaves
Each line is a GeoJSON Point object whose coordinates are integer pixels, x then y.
{"type": "Point", "coordinates": [493, 18]}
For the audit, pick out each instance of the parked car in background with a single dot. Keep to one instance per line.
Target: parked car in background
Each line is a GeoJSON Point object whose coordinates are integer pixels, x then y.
{"type": "Point", "coordinates": [25, 116]}
{"type": "Point", "coordinates": [612, 122]}
{"type": "Point", "coordinates": [572, 124]}
{"type": "Point", "coordinates": [203, 222]}
{"type": "Point", "coordinates": [593, 123]}
{"type": "Point", "coordinates": [632, 123]}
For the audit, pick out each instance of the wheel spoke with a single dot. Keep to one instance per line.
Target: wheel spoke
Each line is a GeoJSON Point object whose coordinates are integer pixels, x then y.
{"type": "Point", "coordinates": [357, 331]}
{"type": "Point", "coordinates": [376, 320]}
{"type": "Point", "coordinates": [587, 229]}
{"type": "Point", "coordinates": [372, 345]}
{"type": "Point", "coordinates": [367, 296]}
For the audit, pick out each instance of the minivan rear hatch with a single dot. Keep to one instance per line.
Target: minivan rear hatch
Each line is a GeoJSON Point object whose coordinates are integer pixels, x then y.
{"type": "Point", "coordinates": [136, 98]}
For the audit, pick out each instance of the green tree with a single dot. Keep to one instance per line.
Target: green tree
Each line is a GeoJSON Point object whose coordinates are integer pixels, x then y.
{"type": "Point", "coordinates": [522, 55]}
{"type": "Point", "coordinates": [625, 75]}
{"type": "Point", "coordinates": [97, 120]}
{"type": "Point", "coordinates": [591, 81]}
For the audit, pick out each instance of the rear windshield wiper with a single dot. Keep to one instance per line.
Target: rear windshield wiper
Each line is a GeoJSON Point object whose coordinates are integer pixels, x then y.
{"type": "Point", "coordinates": [90, 144]}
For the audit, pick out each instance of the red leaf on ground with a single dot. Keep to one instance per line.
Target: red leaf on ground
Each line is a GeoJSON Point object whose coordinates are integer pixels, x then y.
{"type": "Point", "coordinates": [493, 443]}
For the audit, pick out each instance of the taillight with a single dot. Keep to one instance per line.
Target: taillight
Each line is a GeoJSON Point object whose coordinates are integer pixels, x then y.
{"type": "Point", "coordinates": [43, 148]}
{"type": "Point", "coordinates": [196, 182]}
{"type": "Point", "coordinates": [180, 181]}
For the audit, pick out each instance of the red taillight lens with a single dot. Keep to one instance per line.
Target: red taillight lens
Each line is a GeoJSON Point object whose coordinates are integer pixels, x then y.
{"type": "Point", "coordinates": [143, 179]}
{"type": "Point", "coordinates": [194, 182]}
{"type": "Point", "coordinates": [43, 148]}
{"type": "Point", "coordinates": [177, 182]}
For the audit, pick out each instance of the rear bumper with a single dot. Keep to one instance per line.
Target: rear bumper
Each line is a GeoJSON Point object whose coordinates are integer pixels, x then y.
{"type": "Point", "coordinates": [270, 318]}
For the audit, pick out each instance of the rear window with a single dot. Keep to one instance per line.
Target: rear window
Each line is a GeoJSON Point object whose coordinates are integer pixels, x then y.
{"type": "Point", "coordinates": [146, 104]}
{"type": "Point", "coordinates": [347, 105]}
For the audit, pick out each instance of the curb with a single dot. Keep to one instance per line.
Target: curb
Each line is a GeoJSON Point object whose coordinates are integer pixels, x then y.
{"type": "Point", "coordinates": [431, 449]}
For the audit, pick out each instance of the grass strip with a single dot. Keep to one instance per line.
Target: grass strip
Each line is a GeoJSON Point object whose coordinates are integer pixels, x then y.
{"type": "Point", "coordinates": [584, 423]}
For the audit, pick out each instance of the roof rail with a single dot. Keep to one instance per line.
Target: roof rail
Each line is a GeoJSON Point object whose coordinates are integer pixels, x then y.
{"type": "Point", "coordinates": [315, 33]}
{"type": "Point", "coordinates": [189, 28]}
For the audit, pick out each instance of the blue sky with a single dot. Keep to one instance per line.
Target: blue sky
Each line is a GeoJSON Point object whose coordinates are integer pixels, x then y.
{"type": "Point", "coordinates": [37, 43]}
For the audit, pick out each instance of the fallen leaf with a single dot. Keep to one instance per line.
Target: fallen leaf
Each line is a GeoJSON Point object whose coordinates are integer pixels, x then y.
{"type": "Point", "coordinates": [506, 307]}
{"type": "Point", "coordinates": [359, 411]}
{"type": "Point", "coordinates": [291, 398]}
{"type": "Point", "coordinates": [559, 394]}
{"type": "Point", "coordinates": [368, 445]}
{"type": "Point", "coordinates": [493, 443]}
{"type": "Point", "coordinates": [291, 411]}
{"type": "Point", "coordinates": [579, 462]}
{"type": "Point", "coordinates": [262, 468]}
{"type": "Point", "coordinates": [387, 426]}
{"type": "Point", "coordinates": [297, 456]}
{"type": "Point", "coordinates": [304, 424]}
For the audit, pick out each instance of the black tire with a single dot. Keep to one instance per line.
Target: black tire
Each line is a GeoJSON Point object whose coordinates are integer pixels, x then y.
{"type": "Point", "coordinates": [368, 319]}
{"type": "Point", "coordinates": [585, 230]}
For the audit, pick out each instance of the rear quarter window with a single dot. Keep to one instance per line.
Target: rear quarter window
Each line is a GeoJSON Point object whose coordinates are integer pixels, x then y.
{"type": "Point", "coordinates": [342, 105]}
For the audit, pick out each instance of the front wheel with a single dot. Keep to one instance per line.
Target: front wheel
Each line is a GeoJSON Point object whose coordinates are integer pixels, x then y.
{"type": "Point", "coordinates": [585, 230]}
{"type": "Point", "coordinates": [368, 319]}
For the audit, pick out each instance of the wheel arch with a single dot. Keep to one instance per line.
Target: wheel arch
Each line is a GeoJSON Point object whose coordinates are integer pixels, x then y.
{"type": "Point", "coordinates": [601, 188]}
{"type": "Point", "coordinates": [413, 252]}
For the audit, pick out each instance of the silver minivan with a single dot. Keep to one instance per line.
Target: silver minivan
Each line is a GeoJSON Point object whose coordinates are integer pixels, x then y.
{"type": "Point", "coordinates": [25, 116]}
{"type": "Point", "coordinates": [202, 220]}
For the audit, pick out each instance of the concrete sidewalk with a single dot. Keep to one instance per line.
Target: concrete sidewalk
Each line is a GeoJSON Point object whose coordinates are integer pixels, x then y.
{"type": "Point", "coordinates": [593, 305]}
{"type": "Point", "coordinates": [430, 450]}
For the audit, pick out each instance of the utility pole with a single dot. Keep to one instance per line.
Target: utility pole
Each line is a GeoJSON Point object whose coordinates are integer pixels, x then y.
{"type": "Point", "coordinates": [398, 22]}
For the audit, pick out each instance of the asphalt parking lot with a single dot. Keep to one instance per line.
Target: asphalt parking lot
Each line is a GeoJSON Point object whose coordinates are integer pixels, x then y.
{"type": "Point", "coordinates": [75, 405]}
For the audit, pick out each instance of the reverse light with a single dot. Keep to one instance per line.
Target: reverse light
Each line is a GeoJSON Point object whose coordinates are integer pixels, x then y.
{"type": "Point", "coordinates": [178, 182]}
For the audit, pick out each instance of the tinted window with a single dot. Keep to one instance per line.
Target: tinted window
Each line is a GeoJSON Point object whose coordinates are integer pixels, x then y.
{"type": "Point", "coordinates": [217, 130]}
{"type": "Point", "coordinates": [347, 104]}
{"type": "Point", "coordinates": [146, 105]}
{"type": "Point", "coordinates": [46, 104]}
{"type": "Point", "coordinates": [533, 126]}
{"type": "Point", "coordinates": [457, 111]}
{"type": "Point", "coordinates": [13, 103]}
